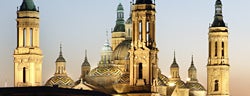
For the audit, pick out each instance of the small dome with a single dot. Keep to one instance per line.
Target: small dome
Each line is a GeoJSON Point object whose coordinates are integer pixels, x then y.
{"type": "Point", "coordinates": [60, 81]}
{"type": "Point", "coordinates": [106, 47]}
{"type": "Point", "coordinates": [129, 20]}
{"type": "Point", "coordinates": [60, 59]}
{"type": "Point", "coordinates": [85, 63]}
{"type": "Point", "coordinates": [121, 51]}
{"type": "Point", "coordinates": [174, 64]}
{"type": "Point", "coordinates": [195, 86]}
{"type": "Point", "coordinates": [28, 5]}
{"type": "Point", "coordinates": [218, 2]}
{"type": "Point", "coordinates": [120, 7]}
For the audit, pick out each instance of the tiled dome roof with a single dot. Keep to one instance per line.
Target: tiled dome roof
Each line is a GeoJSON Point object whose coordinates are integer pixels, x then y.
{"type": "Point", "coordinates": [60, 81]}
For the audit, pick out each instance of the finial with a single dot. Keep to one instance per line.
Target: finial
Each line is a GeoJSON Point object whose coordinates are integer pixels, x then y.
{"type": "Point", "coordinates": [86, 54]}
{"type": "Point", "coordinates": [174, 56]}
{"type": "Point", "coordinates": [192, 62]}
{"type": "Point", "coordinates": [60, 49]}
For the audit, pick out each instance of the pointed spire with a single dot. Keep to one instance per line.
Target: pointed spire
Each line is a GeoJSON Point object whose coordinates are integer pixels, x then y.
{"type": "Point", "coordinates": [85, 63]}
{"type": "Point", "coordinates": [28, 5]}
{"type": "Point", "coordinates": [60, 58]}
{"type": "Point", "coordinates": [192, 67]}
{"type": "Point", "coordinates": [60, 49]}
{"type": "Point", "coordinates": [192, 71]}
{"type": "Point", "coordinates": [174, 64]}
{"type": "Point", "coordinates": [192, 62]}
{"type": "Point", "coordinates": [218, 18]}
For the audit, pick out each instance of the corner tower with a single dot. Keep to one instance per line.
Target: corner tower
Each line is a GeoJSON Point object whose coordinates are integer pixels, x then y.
{"type": "Point", "coordinates": [143, 51]}
{"type": "Point", "coordinates": [218, 62]}
{"type": "Point", "coordinates": [118, 34]}
{"type": "Point", "coordinates": [27, 55]}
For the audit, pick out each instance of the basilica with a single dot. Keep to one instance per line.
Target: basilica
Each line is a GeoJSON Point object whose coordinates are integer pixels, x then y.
{"type": "Point", "coordinates": [129, 63]}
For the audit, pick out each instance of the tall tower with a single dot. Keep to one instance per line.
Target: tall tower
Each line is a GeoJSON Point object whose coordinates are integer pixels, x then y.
{"type": "Point", "coordinates": [218, 62]}
{"type": "Point", "coordinates": [85, 67]}
{"type": "Point", "coordinates": [27, 55]}
{"type": "Point", "coordinates": [118, 34]}
{"type": "Point", "coordinates": [143, 51]}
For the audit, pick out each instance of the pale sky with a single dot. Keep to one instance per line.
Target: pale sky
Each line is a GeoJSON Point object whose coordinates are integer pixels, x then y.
{"type": "Point", "coordinates": [182, 25]}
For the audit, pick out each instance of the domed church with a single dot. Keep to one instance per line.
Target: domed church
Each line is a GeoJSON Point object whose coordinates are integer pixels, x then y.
{"type": "Point", "coordinates": [60, 78]}
{"type": "Point", "coordinates": [129, 64]}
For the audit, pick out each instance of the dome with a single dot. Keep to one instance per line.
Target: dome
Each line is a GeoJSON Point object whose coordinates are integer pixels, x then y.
{"type": "Point", "coordinates": [162, 80]}
{"type": "Point", "coordinates": [106, 47]}
{"type": "Point", "coordinates": [105, 71]}
{"type": "Point", "coordinates": [104, 76]}
{"type": "Point", "coordinates": [120, 7]}
{"type": "Point", "coordinates": [124, 79]}
{"type": "Point", "coordinates": [195, 86]}
{"type": "Point", "coordinates": [60, 81]}
{"type": "Point", "coordinates": [60, 59]}
{"type": "Point", "coordinates": [28, 5]}
{"type": "Point", "coordinates": [181, 84]}
{"type": "Point", "coordinates": [121, 51]}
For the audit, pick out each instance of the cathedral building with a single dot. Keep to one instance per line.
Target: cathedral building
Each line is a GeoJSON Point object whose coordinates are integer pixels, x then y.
{"type": "Point", "coordinates": [129, 65]}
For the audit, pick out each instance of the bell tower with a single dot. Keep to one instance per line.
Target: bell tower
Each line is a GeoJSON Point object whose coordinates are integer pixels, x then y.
{"type": "Point", "coordinates": [218, 61]}
{"type": "Point", "coordinates": [143, 51]}
{"type": "Point", "coordinates": [27, 55]}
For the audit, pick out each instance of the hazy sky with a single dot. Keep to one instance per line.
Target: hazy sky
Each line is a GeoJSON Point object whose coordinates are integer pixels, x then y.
{"type": "Point", "coordinates": [181, 25]}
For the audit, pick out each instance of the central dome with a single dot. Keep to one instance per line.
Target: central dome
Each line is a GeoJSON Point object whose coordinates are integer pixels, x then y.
{"type": "Point", "coordinates": [121, 51]}
{"type": "Point", "coordinates": [104, 76]}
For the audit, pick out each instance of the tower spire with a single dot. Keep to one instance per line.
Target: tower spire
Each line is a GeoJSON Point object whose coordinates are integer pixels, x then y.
{"type": "Point", "coordinates": [60, 58]}
{"type": "Point", "coordinates": [174, 64]}
{"type": "Point", "coordinates": [218, 18]}
{"type": "Point", "coordinates": [86, 55]}
{"type": "Point", "coordinates": [60, 53]}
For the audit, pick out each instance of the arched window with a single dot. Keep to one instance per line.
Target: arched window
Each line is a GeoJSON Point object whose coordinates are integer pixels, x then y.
{"type": "Point", "coordinates": [129, 34]}
{"type": "Point", "coordinates": [216, 85]}
{"type": "Point", "coordinates": [31, 37]}
{"type": "Point", "coordinates": [216, 48]}
{"type": "Point", "coordinates": [24, 37]}
{"type": "Point", "coordinates": [209, 49]}
{"type": "Point", "coordinates": [140, 70]}
{"type": "Point", "coordinates": [140, 30]}
{"type": "Point", "coordinates": [24, 75]}
{"type": "Point", "coordinates": [222, 51]}
{"type": "Point", "coordinates": [148, 26]}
